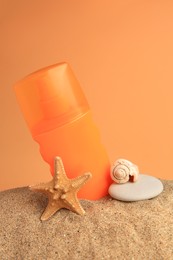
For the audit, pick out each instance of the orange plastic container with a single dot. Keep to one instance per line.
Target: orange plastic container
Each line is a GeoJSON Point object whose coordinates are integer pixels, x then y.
{"type": "Point", "coordinates": [59, 118]}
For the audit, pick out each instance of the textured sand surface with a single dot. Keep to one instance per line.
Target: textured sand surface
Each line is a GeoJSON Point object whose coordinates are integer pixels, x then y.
{"type": "Point", "coordinates": [110, 229]}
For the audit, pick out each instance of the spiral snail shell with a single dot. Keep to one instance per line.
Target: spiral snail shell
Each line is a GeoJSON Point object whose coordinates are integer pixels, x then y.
{"type": "Point", "coordinates": [123, 171]}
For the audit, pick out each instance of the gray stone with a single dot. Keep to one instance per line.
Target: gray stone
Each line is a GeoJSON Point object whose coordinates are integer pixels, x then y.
{"type": "Point", "coordinates": [146, 187]}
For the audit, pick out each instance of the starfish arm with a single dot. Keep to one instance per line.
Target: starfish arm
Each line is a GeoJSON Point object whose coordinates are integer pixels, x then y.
{"type": "Point", "coordinates": [42, 187]}
{"type": "Point", "coordinates": [80, 181]}
{"type": "Point", "coordinates": [50, 210]}
{"type": "Point", "coordinates": [60, 177]}
{"type": "Point", "coordinates": [73, 204]}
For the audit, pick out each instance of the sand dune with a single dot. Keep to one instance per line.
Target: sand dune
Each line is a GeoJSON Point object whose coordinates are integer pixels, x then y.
{"type": "Point", "coordinates": [110, 229]}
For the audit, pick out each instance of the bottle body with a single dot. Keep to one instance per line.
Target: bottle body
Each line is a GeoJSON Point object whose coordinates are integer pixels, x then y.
{"type": "Point", "coordinates": [59, 118]}
{"type": "Point", "coordinates": [78, 144]}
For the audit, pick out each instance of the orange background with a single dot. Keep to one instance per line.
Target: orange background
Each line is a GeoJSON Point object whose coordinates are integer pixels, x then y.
{"type": "Point", "coordinates": [122, 54]}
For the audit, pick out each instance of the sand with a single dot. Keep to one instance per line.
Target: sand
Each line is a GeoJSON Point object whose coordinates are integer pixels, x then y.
{"type": "Point", "coordinates": [110, 229]}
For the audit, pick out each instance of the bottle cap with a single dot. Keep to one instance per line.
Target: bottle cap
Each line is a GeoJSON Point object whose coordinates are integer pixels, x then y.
{"type": "Point", "coordinates": [51, 93]}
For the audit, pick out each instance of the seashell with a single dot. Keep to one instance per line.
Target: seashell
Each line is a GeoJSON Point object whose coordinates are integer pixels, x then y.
{"type": "Point", "coordinates": [123, 171]}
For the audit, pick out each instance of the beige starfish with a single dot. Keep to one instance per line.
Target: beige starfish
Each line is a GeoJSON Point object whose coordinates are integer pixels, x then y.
{"type": "Point", "coordinates": [61, 191]}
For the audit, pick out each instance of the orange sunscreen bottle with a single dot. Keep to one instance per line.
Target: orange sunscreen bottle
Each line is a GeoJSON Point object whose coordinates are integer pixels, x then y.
{"type": "Point", "coordinates": [60, 120]}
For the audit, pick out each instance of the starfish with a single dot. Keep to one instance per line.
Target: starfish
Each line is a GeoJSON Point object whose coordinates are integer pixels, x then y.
{"type": "Point", "coordinates": [62, 191]}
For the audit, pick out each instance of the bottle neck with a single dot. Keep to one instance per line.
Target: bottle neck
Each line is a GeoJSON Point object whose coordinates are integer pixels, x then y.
{"type": "Point", "coordinates": [46, 125]}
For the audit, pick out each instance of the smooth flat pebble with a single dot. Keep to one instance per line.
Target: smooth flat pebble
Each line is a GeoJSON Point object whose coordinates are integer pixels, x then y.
{"type": "Point", "coordinates": [146, 187]}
